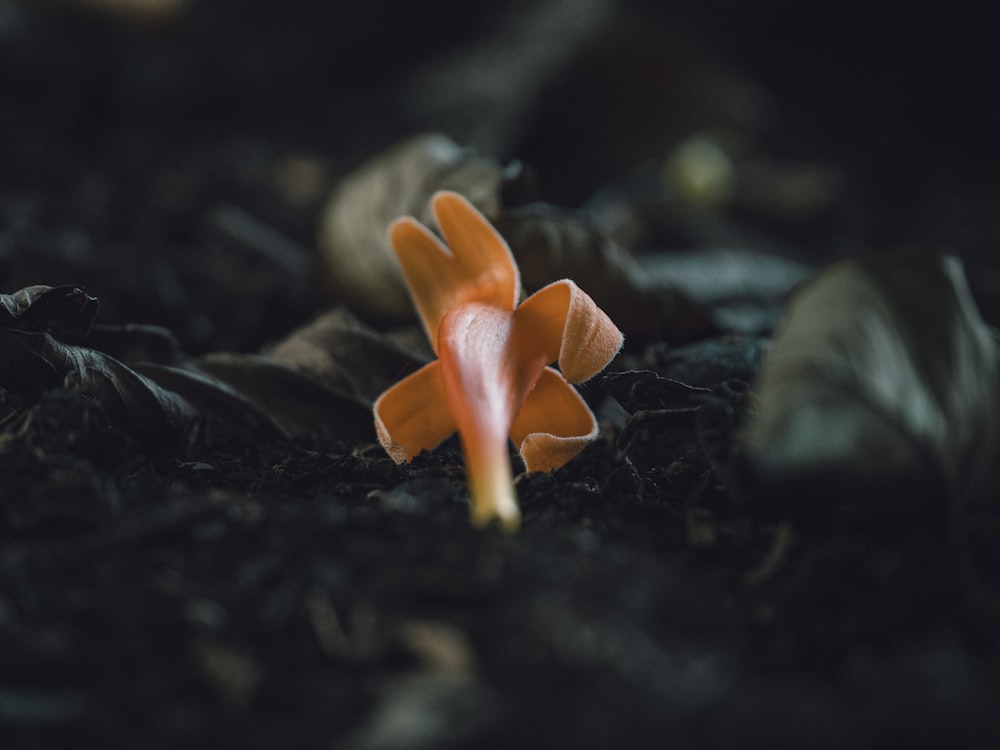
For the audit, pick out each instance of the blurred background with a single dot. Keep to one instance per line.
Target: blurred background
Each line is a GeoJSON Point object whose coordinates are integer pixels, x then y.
{"type": "Point", "coordinates": [143, 141]}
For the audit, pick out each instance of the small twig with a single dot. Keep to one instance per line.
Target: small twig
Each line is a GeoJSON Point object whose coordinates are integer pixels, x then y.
{"type": "Point", "coordinates": [781, 543]}
{"type": "Point", "coordinates": [262, 239]}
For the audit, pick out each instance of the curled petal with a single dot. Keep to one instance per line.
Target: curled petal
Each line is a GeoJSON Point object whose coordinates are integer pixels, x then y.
{"type": "Point", "coordinates": [554, 424]}
{"type": "Point", "coordinates": [478, 267]}
{"type": "Point", "coordinates": [565, 324]}
{"type": "Point", "coordinates": [413, 415]}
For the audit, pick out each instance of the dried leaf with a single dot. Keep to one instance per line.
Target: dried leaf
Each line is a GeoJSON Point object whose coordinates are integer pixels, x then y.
{"type": "Point", "coordinates": [65, 311]}
{"type": "Point", "coordinates": [319, 383]}
{"type": "Point", "coordinates": [551, 243]}
{"type": "Point", "coordinates": [209, 395]}
{"type": "Point", "coordinates": [32, 362]}
{"type": "Point", "coordinates": [744, 289]}
{"type": "Point", "coordinates": [548, 243]}
{"type": "Point", "coordinates": [300, 405]}
{"type": "Point", "coordinates": [339, 351]}
{"type": "Point", "coordinates": [135, 342]}
{"type": "Point", "coordinates": [146, 404]}
{"type": "Point", "coordinates": [362, 269]}
{"type": "Point", "coordinates": [33, 359]}
{"type": "Point", "coordinates": [883, 377]}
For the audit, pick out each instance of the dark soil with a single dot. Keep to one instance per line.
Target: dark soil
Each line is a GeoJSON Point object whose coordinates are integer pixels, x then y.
{"type": "Point", "coordinates": [240, 592]}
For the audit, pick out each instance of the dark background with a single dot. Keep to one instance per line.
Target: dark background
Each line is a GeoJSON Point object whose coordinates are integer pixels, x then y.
{"type": "Point", "coordinates": [174, 113]}
{"type": "Point", "coordinates": [287, 595]}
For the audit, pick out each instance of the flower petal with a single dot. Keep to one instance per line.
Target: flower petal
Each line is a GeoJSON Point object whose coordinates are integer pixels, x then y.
{"type": "Point", "coordinates": [413, 415]}
{"type": "Point", "coordinates": [563, 322]}
{"type": "Point", "coordinates": [478, 267]}
{"type": "Point", "coordinates": [480, 249]}
{"type": "Point", "coordinates": [554, 424]}
{"type": "Point", "coordinates": [485, 385]}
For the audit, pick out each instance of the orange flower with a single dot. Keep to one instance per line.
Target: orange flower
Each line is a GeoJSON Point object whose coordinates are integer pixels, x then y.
{"type": "Point", "coordinates": [491, 380]}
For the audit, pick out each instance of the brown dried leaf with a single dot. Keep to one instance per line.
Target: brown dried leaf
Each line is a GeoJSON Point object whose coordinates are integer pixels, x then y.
{"type": "Point", "coordinates": [319, 383]}
{"type": "Point", "coordinates": [136, 342]}
{"type": "Point", "coordinates": [745, 289]}
{"type": "Point", "coordinates": [883, 376]}
{"type": "Point", "coordinates": [298, 404]}
{"type": "Point", "coordinates": [550, 243]}
{"type": "Point", "coordinates": [65, 311]}
{"type": "Point", "coordinates": [32, 362]}
{"type": "Point", "coordinates": [209, 395]}
{"type": "Point", "coordinates": [339, 351]}
{"type": "Point", "coordinates": [362, 269]}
